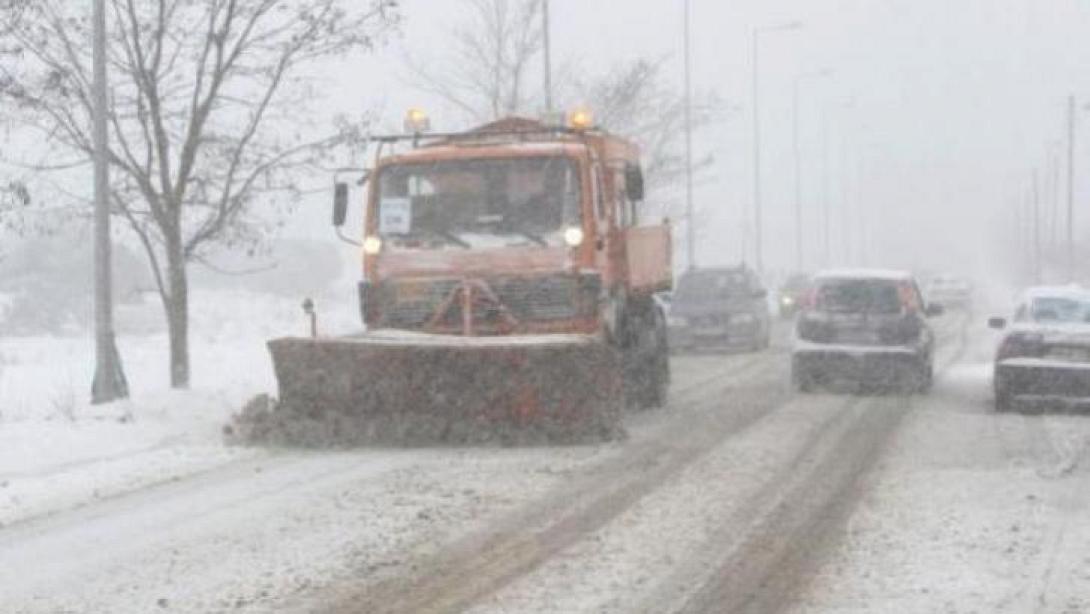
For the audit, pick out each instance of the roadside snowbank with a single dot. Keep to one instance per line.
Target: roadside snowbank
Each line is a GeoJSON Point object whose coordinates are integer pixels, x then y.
{"type": "Point", "coordinates": [58, 451]}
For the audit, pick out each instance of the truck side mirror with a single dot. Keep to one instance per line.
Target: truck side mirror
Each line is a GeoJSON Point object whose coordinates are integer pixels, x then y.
{"type": "Point", "coordinates": [340, 203]}
{"type": "Point", "coordinates": [633, 182]}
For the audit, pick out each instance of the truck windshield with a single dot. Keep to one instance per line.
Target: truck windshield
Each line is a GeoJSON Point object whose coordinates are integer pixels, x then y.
{"type": "Point", "coordinates": [479, 203]}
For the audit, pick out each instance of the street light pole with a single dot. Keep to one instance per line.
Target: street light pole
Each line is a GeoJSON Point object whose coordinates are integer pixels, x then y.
{"type": "Point", "coordinates": [545, 27]}
{"type": "Point", "coordinates": [690, 223]}
{"type": "Point", "coordinates": [758, 243]}
{"type": "Point", "coordinates": [109, 381]}
{"type": "Point", "coordinates": [1071, 188]}
{"type": "Point", "coordinates": [1037, 265]}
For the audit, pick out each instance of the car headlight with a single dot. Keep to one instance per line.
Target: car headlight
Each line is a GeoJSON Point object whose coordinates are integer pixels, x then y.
{"type": "Point", "coordinates": [787, 301]}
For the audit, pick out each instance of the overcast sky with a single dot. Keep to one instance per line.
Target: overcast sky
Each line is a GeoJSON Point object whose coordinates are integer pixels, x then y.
{"type": "Point", "coordinates": [938, 109]}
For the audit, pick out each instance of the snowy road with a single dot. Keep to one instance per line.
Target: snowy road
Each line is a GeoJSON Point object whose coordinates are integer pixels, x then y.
{"type": "Point", "coordinates": [741, 496]}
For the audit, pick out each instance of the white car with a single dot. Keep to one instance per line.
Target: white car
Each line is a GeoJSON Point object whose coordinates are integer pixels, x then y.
{"type": "Point", "coordinates": [1045, 351]}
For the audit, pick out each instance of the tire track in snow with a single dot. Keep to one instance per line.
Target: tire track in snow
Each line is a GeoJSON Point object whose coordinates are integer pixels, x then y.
{"type": "Point", "coordinates": [764, 568]}
{"type": "Point", "coordinates": [477, 566]}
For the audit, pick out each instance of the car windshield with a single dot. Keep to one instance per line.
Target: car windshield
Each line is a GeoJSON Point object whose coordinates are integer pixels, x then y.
{"type": "Point", "coordinates": [478, 203]}
{"type": "Point", "coordinates": [1060, 309]}
{"type": "Point", "coordinates": [711, 286]}
{"type": "Point", "coordinates": [859, 296]}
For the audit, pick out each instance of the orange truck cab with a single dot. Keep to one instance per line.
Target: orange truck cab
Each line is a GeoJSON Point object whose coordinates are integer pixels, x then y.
{"type": "Point", "coordinates": [515, 227]}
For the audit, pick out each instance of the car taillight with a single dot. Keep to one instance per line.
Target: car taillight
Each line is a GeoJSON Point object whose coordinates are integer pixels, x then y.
{"type": "Point", "coordinates": [809, 298]}
{"type": "Point", "coordinates": [909, 301]}
{"type": "Point", "coordinates": [1021, 345]}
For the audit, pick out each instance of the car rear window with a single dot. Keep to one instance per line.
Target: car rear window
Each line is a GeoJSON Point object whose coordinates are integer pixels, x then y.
{"type": "Point", "coordinates": [859, 296]}
{"type": "Point", "coordinates": [1060, 309]}
{"type": "Point", "coordinates": [711, 285]}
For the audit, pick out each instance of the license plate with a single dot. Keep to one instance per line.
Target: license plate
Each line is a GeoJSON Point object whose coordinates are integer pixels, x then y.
{"type": "Point", "coordinates": [412, 292]}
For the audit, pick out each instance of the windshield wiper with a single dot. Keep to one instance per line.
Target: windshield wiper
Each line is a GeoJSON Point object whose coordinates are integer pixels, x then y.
{"type": "Point", "coordinates": [447, 236]}
{"type": "Point", "coordinates": [531, 236]}
{"type": "Point", "coordinates": [507, 226]}
{"type": "Point", "coordinates": [453, 238]}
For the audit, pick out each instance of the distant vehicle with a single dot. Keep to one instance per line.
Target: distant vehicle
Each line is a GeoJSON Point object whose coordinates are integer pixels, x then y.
{"type": "Point", "coordinates": [719, 307]}
{"type": "Point", "coordinates": [792, 294]}
{"type": "Point", "coordinates": [866, 325]}
{"type": "Point", "coordinates": [950, 291]}
{"type": "Point", "coordinates": [1045, 352]}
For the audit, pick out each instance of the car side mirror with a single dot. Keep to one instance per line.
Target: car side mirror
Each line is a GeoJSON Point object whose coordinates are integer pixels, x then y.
{"type": "Point", "coordinates": [934, 309]}
{"type": "Point", "coordinates": [340, 203]}
{"type": "Point", "coordinates": [997, 323]}
{"type": "Point", "coordinates": [633, 182]}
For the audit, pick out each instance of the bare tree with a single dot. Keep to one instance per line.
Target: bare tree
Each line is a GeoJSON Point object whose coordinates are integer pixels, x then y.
{"type": "Point", "coordinates": [208, 113]}
{"type": "Point", "coordinates": [484, 72]}
{"type": "Point", "coordinates": [496, 51]}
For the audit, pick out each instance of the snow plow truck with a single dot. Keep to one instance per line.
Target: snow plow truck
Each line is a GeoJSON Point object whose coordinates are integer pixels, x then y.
{"type": "Point", "coordinates": [507, 296]}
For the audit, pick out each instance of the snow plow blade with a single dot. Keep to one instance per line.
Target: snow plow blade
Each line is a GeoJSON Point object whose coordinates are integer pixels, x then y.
{"type": "Point", "coordinates": [426, 389]}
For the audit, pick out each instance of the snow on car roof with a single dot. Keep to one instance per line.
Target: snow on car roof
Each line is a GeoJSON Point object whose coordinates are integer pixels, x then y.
{"type": "Point", "coordinates": [886, 274]}
{"type": "Point", "coordinates": [1069, 291]}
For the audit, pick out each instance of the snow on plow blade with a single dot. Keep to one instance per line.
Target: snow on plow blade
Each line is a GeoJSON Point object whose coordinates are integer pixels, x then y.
{"type": "Point", "coordinates": [409, 389]}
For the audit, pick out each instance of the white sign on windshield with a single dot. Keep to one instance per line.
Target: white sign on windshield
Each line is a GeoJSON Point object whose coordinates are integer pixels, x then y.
{"type": "Point", "coordinates": [395, 216]}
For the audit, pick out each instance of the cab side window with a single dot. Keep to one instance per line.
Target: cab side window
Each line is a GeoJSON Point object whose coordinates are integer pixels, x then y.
{"type": "Point", "coordinates": [599, 197]}
{"type": "Point", "coordinates": [625, 208]}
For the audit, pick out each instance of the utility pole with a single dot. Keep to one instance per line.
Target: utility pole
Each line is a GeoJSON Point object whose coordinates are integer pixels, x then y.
{"type": "Point", "coordinates": [1037, 264]}
{"type": "Point", "coordinates": [690, 223]}
{"type": "Point", "coordinates": [825, 206]}
{"type": "Point", "coordinates": [545, 27]}
{"type": "Point", "coordinates": [109, 382]}
{"type": "Point", "coordinates": [1071, 188]}
{"type": "Point", "coordinates": [757, 204]}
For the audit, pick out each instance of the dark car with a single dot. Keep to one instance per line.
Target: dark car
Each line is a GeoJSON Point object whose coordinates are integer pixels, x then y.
{"type": "Point", "coordinates": [868, 326]}
{"type": "Point", "coordinates": [719, 308]}
{"type": "Point", "coordinates": [1045, 352]}
{"type": "Point", "coordinates": [792, 294]}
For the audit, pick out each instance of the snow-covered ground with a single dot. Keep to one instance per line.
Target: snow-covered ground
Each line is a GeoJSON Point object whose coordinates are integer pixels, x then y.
{"type": "Point", "coordinates": [969, 511]}
{"type": "Point", "coordinates": [57, 450]}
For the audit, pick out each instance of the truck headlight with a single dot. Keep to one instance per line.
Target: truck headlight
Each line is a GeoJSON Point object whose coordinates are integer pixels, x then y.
{"type": "Point", "coordinates": [372, 245]}
{"type": "Point", "coordinates": [573, 236]}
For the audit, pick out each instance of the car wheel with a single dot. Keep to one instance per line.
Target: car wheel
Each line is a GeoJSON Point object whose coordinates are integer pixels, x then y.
{"type": "Point", "coordinates": [925, 377]}
{"type": "Point", "coordinates": [1004, 402]}
{"type": "Point", "coordinates": [801, 379]}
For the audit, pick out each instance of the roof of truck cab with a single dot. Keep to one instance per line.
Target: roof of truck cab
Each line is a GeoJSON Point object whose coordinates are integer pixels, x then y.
{"type": "Point", "coordinates": [516, 136]}
{"type": "Point", "coordinates": [492, 150]}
